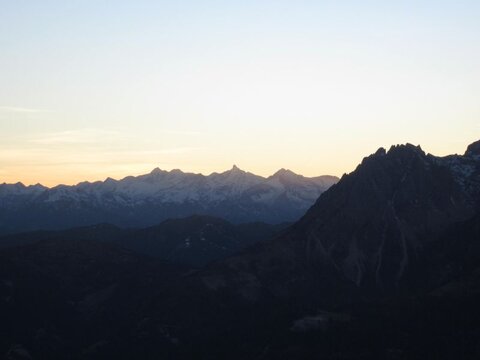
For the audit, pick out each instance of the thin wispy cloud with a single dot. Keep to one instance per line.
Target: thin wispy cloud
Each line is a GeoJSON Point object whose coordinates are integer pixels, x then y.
{"type": "Point", "coordinates": [92, 136]}
{"type": "Point", "coordinates": [81, 136]}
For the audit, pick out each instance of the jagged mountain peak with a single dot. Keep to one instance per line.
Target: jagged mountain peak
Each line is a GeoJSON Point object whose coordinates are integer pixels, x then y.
{"type": "Point", "coordinates": [285, 173]}
{"type": "Point", "coordinates": [406, 149]}
{"type": "Point", "coordinates": [235, 170]}
{"type": "Point", "coordinates": [236, 173]}
{"type": "Point", "coordinates": [383, 210]}
{"type": "Point", "coordinates": [398, 154]}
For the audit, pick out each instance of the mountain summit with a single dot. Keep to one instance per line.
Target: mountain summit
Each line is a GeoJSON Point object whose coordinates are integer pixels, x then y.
{"type": "Point", "coordinates": [285, 173]}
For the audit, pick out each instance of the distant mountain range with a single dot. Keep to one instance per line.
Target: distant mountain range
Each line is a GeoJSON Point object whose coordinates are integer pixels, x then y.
{"type": "Point", "coordinates": [145, 200]}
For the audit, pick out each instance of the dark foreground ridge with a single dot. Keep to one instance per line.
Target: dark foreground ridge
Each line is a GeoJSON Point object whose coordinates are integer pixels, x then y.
{"type": "Point", "coordinates": [192, 241]}
{"type": "Point", "coordinates": [385, 265]}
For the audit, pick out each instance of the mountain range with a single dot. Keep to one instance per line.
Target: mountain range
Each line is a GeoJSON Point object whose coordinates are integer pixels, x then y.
{"type": "Point", "coordinates": [384, 265]}
{"type": "Point", "coordinates": [146, 200]}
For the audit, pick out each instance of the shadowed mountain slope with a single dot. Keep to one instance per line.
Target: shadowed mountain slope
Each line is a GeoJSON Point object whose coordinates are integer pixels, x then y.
{"type": "Point", "coordinates": [194, 241]}
{"type": "Point", "coordinates": [366, 234]}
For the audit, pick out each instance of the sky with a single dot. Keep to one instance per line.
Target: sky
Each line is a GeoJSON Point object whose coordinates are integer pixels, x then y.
{"type": "Point", "coordinates": [96, 89]}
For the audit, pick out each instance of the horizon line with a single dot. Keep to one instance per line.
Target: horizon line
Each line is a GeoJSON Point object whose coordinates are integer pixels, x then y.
{"type": "Point", "coordinates": [174, 170]}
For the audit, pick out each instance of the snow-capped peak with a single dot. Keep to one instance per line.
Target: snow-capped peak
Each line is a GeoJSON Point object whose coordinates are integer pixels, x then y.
{"type": "Point", "coordinates": [286, 174]}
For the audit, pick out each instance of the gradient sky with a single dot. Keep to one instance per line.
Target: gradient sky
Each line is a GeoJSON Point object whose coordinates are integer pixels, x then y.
{"type": "Point", "coordinates": [90, 89]}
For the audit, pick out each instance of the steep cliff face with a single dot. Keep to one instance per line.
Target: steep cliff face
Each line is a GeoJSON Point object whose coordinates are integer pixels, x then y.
{"type": "Point", "coordinates": [373, 224]}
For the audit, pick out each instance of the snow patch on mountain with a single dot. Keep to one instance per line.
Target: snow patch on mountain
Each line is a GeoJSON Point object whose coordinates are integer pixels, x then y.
{"type": "Point", "coordinates": [146, 199]}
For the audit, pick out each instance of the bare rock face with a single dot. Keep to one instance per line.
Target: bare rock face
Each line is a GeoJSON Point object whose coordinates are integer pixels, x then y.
{"type": "Point", "coordinates": [372, 225]}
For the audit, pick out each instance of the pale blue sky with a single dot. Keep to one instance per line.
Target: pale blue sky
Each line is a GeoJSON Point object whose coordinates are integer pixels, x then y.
{"type": "Point", "coordinates": [110, 88]}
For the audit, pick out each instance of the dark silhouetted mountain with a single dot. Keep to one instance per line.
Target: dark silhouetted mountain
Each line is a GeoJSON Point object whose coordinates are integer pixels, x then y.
{"type": "Point", "coordinates": [197, 240]}
{"type": "Point", "coordinates": [194, 241]}
{"type": "Point", "coordinates": [87, 300]}
{"type": "Point", "coordinates": [473, 149]}
{"type": "Point", "coordinates": [145, 200]}
{"type": "Point", "coordinates": [365, 235]}
{"type": "Point", "coordinates": [64, 299]}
